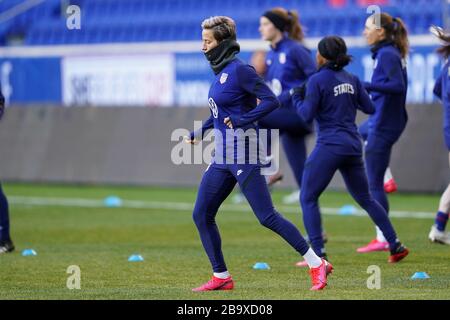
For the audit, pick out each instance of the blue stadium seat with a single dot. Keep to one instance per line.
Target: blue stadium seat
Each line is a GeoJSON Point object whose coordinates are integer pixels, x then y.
{"type": "Point", "coordinates": [177, 20]}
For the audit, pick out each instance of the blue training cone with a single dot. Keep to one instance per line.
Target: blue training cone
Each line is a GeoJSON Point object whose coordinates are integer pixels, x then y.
{"type": "Point", "coordinates": [347, 210]}
{"type": "Point", "coordinates": [112, 202]}
{"type": "Point", "coordinates": [261, 266]}
{"type": "Point", "coordinates": [135, 258]}
{"type": "Point", "coordinates": [420, 275]}
{"type": "Point", "coordinates": [29, 252]}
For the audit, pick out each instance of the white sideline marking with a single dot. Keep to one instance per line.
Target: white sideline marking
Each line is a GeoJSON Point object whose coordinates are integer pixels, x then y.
{"type": "Point", "coordinates": [185, 206]}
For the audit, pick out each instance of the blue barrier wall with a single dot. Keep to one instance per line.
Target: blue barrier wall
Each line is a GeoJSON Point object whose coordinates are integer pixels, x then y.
{"type": "Point", "coordinates": [40, 80]}
{"type": "Point", "coordinates": [31, 80]}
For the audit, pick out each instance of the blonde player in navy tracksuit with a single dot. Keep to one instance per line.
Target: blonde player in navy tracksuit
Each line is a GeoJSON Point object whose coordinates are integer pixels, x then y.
{"type": "Point", "coordinates": [233, 102]}
{"type": "Point", "coordinates": [6, 245]}
{"type": "Point", "coordinates": [332, 97]}
{"type": "Point", "coordinates": [442, 91]}
{"type": "Point", "coordinates": [388, 88]}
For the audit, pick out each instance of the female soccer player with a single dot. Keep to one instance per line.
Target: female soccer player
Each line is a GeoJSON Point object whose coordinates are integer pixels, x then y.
{"type": "Point", "coordinates": [289, 64]}
{"type": "Point", "coordinates": [232, 100]}
{"type": "Point", "coordinates": [441, 90]}
{"type": "Point", "coordinates": [389, 42]}
{"type": "Point", "coordinates": [258, 61]}
{"type": "Point", "coordinates": [6, 244]}
{"type": "Point", "coordinates": [332, 98]}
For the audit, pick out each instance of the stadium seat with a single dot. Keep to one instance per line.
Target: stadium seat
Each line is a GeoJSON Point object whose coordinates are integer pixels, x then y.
{"type": "Point", "coordinates": [175, 20]}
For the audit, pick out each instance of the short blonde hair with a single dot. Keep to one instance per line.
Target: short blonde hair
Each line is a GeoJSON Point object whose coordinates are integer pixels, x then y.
{"type": "Point", "coordinates": [222, 27]}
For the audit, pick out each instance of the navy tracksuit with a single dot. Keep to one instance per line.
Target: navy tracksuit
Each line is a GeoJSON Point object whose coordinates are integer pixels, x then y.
{"type": "Point", "coordinates": [234, 94]}
{"type": "Point", "coordinates": [388, 90]}
{"type": "Point", "coordinates": [4, 217]}
{"type": "Point", "coordinates": [442, 91]}
{"type": "Point", "coordinates": [289, 64]}
{"type": "Point", "coordinates": [4, 211]}
{"type": "Point", "coordinates": [332, 99]}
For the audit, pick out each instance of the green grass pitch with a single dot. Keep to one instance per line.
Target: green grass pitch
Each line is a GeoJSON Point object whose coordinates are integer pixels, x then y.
{"type": "Point", "coordinates": [99, 240]}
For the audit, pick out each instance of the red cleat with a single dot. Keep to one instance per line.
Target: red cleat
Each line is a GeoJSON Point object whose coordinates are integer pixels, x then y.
{"type": "Point", "coordinates": [304, 264]}
{"type": "Point", "coordinates": [216, 284]}
{"type": "Point", "coordinates": [319, 275]}
{"type": "Point", "coordinates": [399, 254]}
{"type": "Point", "coordinates": [390, 186]}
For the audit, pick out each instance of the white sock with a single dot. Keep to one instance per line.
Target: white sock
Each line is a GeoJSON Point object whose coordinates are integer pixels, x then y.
{"type": "Point", "coordinates": [388, 175]}
{"type": "Point", "coordinates": [380, 235]}
{"type": "Point", "coordinates": [312, 259]}
{"type": "Point", "coordinates": [222, 275]}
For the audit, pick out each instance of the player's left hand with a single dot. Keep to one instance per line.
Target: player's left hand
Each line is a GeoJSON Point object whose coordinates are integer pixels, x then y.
{"type": "Point", "coordinates": [300, 92]}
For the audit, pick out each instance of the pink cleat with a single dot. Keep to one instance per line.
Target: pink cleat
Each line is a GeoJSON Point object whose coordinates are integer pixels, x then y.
{"type": "Point", "coordinates": [216, 284]}
{"type": "Point", "coordinates": [304, 264]}
{"type": "Point", "coordinates": [374, 245]}
{"type": "Point", "coordinates": [319, 275]}
{"type": "Point", "coordinates": [390, 186]}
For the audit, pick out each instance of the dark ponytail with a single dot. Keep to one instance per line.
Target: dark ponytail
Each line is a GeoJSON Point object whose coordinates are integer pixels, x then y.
{"type": "Point", "coordinates": [295, 29]}
{"type": "Point", "coordinates": [401, 37]}
{"type": "Point", "coordinates": [444, 50]}
{"type": "Point", "coordinates": [395, 30]}
{"type": "Point", "coordinates": [342, 60]}
{"type": "Point", "coordinates": [291, 23]}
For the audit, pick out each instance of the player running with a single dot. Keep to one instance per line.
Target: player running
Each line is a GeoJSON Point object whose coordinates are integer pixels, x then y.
{"type": "Point", "coordinates": [6, 245]}
{"type": "Point", "coordinates": [289, 64]}
{"type": "Point", "coordinates": [232, 99]}
{"type": "Point", "coordinates": [442, 90]}
{"type": "Point", "coordinates": [389, 42]}
{"type": "Point", "coordinates": [332, 97]}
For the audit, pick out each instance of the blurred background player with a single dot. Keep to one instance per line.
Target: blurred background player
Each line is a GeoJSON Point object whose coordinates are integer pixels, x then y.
{"type": "Point", "coordinates": [442, 90]}
{"type": "Point", "coordinates": [6, 245]}
{"type": "Point", "coordinates": [388, 88]}
{"type": "Point", "coordinates": [232, 100]}
{"type": "Point", "coordinates": [289, 64]}
{"type": "Point", "coordinates": [332, 97]}
{"type": "Point", "coordinates": [258, 61]}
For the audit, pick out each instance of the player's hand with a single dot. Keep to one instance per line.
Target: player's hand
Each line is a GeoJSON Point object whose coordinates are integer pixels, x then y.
{"type": "Point", "coordinates": [300, 92]}
{"type": "Point", "coordinates": [189, 140]}
{"type": "Point", "coordinates": [367, 86]}
{"type": "Point", "coordinates": [228, 123]}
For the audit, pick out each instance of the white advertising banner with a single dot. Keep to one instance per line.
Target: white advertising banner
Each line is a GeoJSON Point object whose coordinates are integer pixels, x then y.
{"type": "Point", "coordinates": [125, 80]}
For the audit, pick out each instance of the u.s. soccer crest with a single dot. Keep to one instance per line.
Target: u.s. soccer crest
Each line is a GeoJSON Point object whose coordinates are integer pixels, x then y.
{"type": "Point", "coordinates": [223, 78]}
{"type": "Point", "coordinates": [282, 58]}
